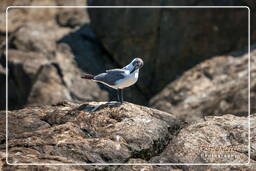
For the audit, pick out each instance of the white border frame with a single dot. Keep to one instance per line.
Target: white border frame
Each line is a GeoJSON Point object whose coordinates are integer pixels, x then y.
{"type": "Point", "coordinates": [131, 164]}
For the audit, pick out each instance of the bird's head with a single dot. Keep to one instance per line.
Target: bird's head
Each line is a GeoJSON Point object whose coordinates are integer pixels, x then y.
{"type": "Point", "coordinates": [137, 63]}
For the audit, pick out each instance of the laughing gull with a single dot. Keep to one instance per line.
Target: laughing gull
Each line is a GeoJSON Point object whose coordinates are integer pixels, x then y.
{"type": "Point", "coordinates": [119, 78]}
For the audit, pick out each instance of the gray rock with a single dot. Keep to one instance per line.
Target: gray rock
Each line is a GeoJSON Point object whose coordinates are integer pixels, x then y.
{"type": "Point", "coordinates": [170, 41]}
{"type": "Point", "coordinates": [37, 37]}
{"type": "Point", "coordinates": [90, 132]}
{"type": "Point", "coordinates": [215, 86]}
{"type": "Point", "coordinates": [218, 139]}
{"type": "Point", "coordinates": [61, 80]}
{"type": "Point", "coordinates": [72, 17]}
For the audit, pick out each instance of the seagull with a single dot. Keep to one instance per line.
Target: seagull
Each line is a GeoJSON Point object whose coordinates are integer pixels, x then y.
{"type": "Point", "coordinates": [119, 78]}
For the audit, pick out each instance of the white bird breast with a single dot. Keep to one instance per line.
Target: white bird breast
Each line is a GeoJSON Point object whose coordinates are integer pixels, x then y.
{"type": "Point", "coordinates": [129, 80]}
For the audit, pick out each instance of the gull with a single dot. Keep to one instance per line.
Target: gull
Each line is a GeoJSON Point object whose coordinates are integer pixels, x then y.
{"type": "Point", "coordinates": [119, 78]}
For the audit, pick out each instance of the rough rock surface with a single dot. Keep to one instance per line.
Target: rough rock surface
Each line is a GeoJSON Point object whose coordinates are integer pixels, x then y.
{"type": "Point", "coordinates": [100, 132]}
{"type": "Point", "coordinates": [43, 70]}
{"type": "Point", "coordinates": [49, 80]}
{"type": "Point", "coordinates": [164, 38]}
{"type": "Point", "coordinates": [218, 139]}
{"type": "Point", "coordinates": [91, 132]}
{"type": "Point", "coordinates": [215, 86]}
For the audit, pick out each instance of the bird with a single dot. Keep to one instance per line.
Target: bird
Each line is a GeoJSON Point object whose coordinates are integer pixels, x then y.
{"type": "Point", "coordinates": [119, 79]}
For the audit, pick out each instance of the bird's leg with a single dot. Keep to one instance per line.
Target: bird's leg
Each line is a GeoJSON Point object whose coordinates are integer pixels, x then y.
{"type": "Point", "coordinates": [118, 96]}
{"type": "Point", "coordinates": [121, 96]}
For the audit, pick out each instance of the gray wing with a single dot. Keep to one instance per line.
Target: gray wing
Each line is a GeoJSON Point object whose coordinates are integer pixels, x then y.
{"type": "Point", "coordinates": [111, 76]}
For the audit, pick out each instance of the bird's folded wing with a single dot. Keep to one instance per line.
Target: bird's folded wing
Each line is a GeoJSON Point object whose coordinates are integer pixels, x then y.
{"type": "Point", "coordinates": [111, 77]}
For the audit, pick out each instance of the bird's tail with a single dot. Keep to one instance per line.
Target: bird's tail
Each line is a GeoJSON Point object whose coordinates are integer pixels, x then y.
{"type": "Point", "coordinates": [88, 76]}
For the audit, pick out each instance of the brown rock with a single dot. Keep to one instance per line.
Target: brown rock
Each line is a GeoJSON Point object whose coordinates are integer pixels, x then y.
{"type": "Point", "coordinates": [23, 67]}
{"type": "Point", "coordinates": [38, 37]}
{"type": "Point", "coordinates": [36, 78]}
{"type": "Point", "coordinates": [72, 17]}
{"type": "Point", "coordinates": [170, 41]}
{"type": "Point", "coordinates": [218, 139]}
{"type": "Point", "coordinates": [145, 167]}
{"type": "Point", "coordinates": [61, 80]}
{"type": "Point", "coordinates": [18, 16]}
{"type": "Point", "coordinates": [216, 86]}
{"type": "Point", "coordinates": [92, 133]}
{"type": "Point", "coordinates": [2, 87]}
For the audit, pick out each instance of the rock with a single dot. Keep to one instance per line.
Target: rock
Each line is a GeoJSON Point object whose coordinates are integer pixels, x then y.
{"type": "Point", "coordinates": [163, 37]}
{"type": "Point", "coordinates": [23, 67]}
{"type": "Point", "coordinates": [99, 132]}
{"type": "Point", "coordinates": [145, 167]}
{"type": "Point", "coordinates": [38, 37]}
{"type": "Point", "coordinates": [92, 132]}
{"type": "Point", "coordinates": [18, 16]}
{"type": "Point", "coordinates": [72, 18]}
{"type": "Point", "coordinates": [36, 78]}
{"type": "Point", "coordinates": [218, 139]}
{"type": "Point", "coordinates": [35, 53]}
{"type": "Point", "coordinates": [2, 87]}
{"type": "Point", "coordinates": [61, 80]}
{"type": "Point", "coordinates": [216, 86]}
{"type": "Point", "coordinates": [253, 138]}
{"type": "Point", "coordinates": [49, 87]}
{"type": "Point", "coordinates": [86, 49]}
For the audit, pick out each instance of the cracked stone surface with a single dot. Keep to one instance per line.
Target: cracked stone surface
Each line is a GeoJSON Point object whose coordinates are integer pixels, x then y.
{"type": "Point", "coordinates": [214, 87]}
{"type": "Point", "coordinates": [106, 132]}
{"type": "Point", "coordinates": [88, 133]}
{"type": "Point", "coordinates": [217, 139]}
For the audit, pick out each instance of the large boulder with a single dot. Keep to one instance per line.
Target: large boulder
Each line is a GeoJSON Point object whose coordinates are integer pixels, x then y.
{"type": "Point", "coordinates": [37, 37]}
{"type": "Point", "coordinates": [90, 132]}
{"type": "Point", "coordinates": [215, 86]}
{"type": "Point", "coordinates": [217, 139]}
{"type": "Point", "coordinates": [60, 80]}
{"type": "Point", "coordinates": [41, 69]}
{"type": "Point", "coordinates": [109, 132]}
{"type": "Point", "coordinates": [169, 40]}
{"type": "Point", "coordinates": [37, 78]}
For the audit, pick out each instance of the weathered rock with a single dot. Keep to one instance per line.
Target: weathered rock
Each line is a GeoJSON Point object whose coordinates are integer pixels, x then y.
{"type": "Point", "coordinates": [218, 139]}
{"type": "Point", "coordinates": [38, 37]}
{"type": "Point", "coordinates": [216, 86]}
{"type": "Point", "coordinates": [2, 87]}
{"type": "Point", "coordinates": [61, 80]}
{"type": "Point", "coordinates": [36, 78]}
{"type": "Point", "coordinates": [253, 138]}
{"type": "Point", "coordinates": [145, 167]}
{"type": "Point", "coordinates": [86, 49]}
{"type": "Point", "coordinates": [68, 18]}
{"type": "Point", "coordinates": [91, 132]}
{"type": "Point", "coordinates": [18, 16]}
{"type": "Point", "coordinates": [164, 37]}
{"type": "Point", "coordinates": [23, 67]}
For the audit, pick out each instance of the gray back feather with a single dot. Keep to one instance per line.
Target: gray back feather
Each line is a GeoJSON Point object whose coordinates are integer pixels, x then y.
{"type": "Point", "coordinates": [111, 76]}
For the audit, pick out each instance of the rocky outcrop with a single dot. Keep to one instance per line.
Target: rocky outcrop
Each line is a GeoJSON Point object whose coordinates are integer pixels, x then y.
{"type": "Point", "coordinates": [218, 139]}
{"type": "Point", "coordinates": [91, 132]}
{"type": "Point", "coordinates": [43, 70]}
{"type": "Point", "coordinates": [170, 41]}
{"type": "Point", "coordinates": [49, 80]}
{"type": "Point", "coordinates": [216, 86]}
{"type": "Point", "coordinates": [109, 133]}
